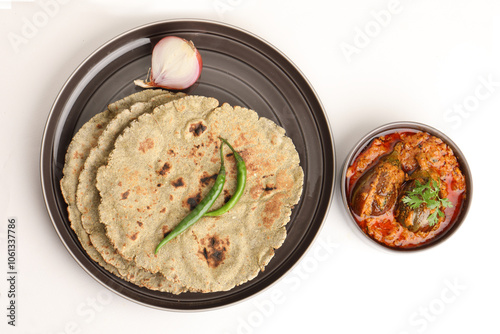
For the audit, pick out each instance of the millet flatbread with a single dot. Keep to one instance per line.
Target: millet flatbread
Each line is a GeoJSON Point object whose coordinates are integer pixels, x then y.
{"type": "Point", "coordinates": [77, 153]}
{"type": "Point", "coordinates": [78, 150]}
{"type": "Point", "coordinates": [88, 197]}
{"type": "Point", "coordinates": [164, 163]}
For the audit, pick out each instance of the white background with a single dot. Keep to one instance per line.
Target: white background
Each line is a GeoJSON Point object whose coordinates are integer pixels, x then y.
{"type": "Point", "coordinates": [371, 62]}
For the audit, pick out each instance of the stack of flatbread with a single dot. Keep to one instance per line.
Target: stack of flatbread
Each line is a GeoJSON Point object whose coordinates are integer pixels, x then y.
{"type": "Point", "coordinates": [135, 170]}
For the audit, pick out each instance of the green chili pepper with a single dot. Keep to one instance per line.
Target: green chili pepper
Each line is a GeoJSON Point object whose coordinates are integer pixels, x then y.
{"type": "Point", "coordinates": [240, 186]}
{"type": "Point", "coordinates": [201, 208]}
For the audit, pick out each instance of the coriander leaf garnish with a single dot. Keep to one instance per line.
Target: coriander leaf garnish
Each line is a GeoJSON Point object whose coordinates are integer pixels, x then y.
{"type": "Point", "coordinates": [427, 194]}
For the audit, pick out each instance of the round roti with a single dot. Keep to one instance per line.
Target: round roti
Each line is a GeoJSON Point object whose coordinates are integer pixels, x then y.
{"type": "Point", "coordinates": [166, 162]}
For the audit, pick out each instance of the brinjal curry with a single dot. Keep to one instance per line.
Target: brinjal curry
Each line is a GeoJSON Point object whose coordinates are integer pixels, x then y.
{"type": "Point", "coordinates": [405, 189]}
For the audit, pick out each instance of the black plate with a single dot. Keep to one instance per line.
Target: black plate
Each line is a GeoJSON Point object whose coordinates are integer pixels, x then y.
{"type": "Point", "coordinates": [239, 68]}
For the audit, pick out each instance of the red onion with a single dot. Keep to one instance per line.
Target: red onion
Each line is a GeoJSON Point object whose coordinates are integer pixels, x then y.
{"type": "Point", "coordinates": [175, 64]}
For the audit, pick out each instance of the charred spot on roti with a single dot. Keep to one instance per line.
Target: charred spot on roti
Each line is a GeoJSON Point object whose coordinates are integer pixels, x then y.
{"type": "Point", "coordinates": [206, 179]}
{"type": "Point", "coordinates": [125, 194]}
{"type": "Point", "coordinates": [197, 129]}
{"type": "Point", "coordinates": [165, 230]}
{"type": "Point", "coordinates": [213, 250]}
{"type": "Point", "coordinates": [193, 201]}
{"type": "Point", "coordinates": [133, 237]}
{"type": "Point", "coordinates": [140, 223]}
{"type": "Point", "coordinates": [163, 210]}
{"type": "Point", "coordinates": [227, 196]}
{"type": "Point", "coordinates": [269, 188]}
{"type": "Point", "coordinates": [146, 145]}
{"type": "Point", "coordinates": [164, 169]}
{"type": "Point", "coordinates": [178, 182]}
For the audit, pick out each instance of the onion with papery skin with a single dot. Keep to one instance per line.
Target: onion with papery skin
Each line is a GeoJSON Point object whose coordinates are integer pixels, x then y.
{"type": "Point", "coordinates": [175, 64]}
